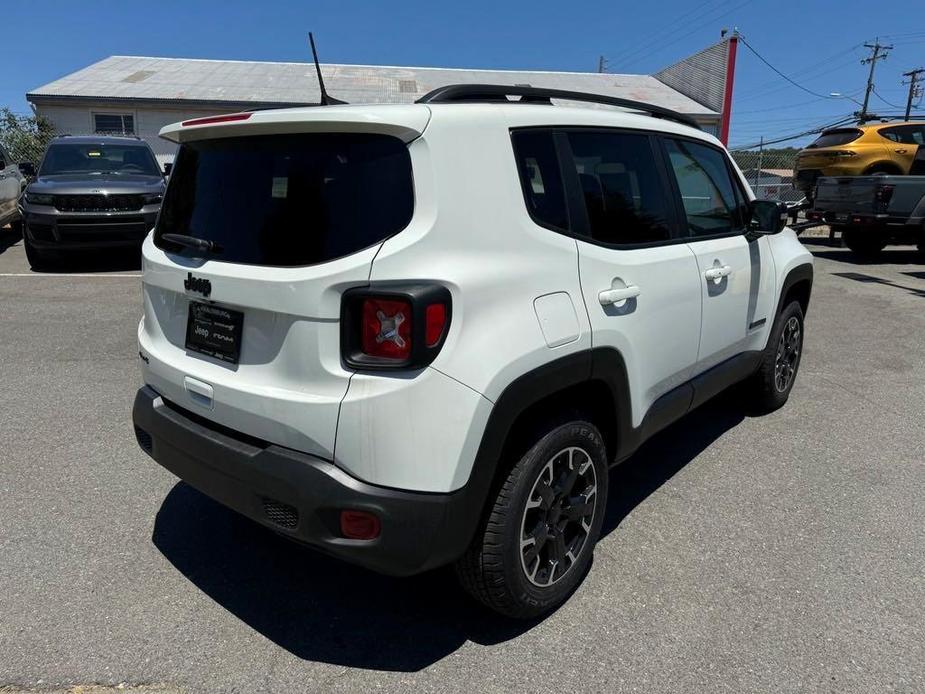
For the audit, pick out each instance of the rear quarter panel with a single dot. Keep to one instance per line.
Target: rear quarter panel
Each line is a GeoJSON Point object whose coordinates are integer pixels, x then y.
{"type": "Point", "coordinates": [471, 233]}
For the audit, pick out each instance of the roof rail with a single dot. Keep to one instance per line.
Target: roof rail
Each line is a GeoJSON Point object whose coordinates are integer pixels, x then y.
{"type": "Point", "coordinates": [498, 93]}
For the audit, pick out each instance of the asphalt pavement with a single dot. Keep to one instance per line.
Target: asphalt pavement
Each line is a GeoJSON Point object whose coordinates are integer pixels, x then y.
{"type": "Point", "coordinates": [783, 553]}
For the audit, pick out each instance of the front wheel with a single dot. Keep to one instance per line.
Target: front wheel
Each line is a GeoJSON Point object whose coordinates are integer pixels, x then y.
{"type": "Point", "coordinates": [771, 385]}
{"type": "Point", "coordinates": [535, 545]}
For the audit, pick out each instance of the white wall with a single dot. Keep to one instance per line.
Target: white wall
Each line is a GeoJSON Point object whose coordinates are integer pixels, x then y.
{"type": "Point", "coordinates": [77, 119]}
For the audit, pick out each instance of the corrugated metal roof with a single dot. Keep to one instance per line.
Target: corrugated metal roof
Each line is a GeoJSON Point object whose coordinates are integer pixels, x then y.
{"type": "Point", "coordinates": [264, 83]}
{"type": "Point", "coordinates": [702, 74]}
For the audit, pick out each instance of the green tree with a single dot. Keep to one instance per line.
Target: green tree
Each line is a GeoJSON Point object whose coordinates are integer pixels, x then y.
{"type": "Point", "coordinates": [25, 137]}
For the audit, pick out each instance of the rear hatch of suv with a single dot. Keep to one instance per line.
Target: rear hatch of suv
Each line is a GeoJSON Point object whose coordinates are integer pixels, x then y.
{"type": "Point", "coordinates": [833, 146]}
{"type": "Point", "coordinates": [268, 218]}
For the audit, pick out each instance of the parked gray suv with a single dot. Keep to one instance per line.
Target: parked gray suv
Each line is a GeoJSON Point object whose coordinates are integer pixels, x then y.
{"type": "Point", "coordinates": [91, 192]}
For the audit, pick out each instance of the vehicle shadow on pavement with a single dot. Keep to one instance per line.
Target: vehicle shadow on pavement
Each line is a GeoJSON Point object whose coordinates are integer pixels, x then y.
{"type": "Point", "coordinates": [657, 460]}
{"type": "Point", "coordinates": [316, 607]}
{"type": "Point", "coordinates": [102, 260]}
{"type": "Point", "coordinates": [8, 238]}
{"type": "Point", "coordinates": [321, 609]}
{"type": "Point", "coordinates": [891, 255]}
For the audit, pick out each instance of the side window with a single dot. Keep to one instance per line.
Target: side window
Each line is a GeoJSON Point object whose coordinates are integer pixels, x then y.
{"type": "Point", "coordinates": [540, 178]}
{"type": "Point", "coordinates": [905, 134]}
{"type": "Point", "coordinates": [4, 159]}
{"type": "Point", "coordinates": [623, 189]}
{"type": "Point", "coordinates": [706, 189]}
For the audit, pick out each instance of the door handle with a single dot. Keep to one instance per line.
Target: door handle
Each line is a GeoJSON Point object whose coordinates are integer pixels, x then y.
{"type": "Point", "coordinates": [900, 151]}
{"type": "Point", "coordinates": [717, 273]}
{"type": "Point", "coordinates": [612, 296]}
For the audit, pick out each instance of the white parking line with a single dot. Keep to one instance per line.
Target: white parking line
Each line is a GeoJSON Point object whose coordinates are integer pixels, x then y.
{"type": "Point", "coordinates": [61, 274]}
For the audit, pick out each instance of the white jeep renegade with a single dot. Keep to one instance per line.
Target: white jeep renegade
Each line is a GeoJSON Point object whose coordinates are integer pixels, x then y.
{"type": "Point", "coordinates": [416, 335]}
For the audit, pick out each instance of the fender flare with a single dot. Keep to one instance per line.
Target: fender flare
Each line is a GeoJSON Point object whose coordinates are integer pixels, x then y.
{"type": "Point", "coordinates": [800, 273]}
{"type": "Point", "coordinates": [603, 364]}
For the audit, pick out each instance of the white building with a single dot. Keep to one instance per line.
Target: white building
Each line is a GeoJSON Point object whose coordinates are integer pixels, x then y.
{"type": "Point", "coordinates": [139, 95]}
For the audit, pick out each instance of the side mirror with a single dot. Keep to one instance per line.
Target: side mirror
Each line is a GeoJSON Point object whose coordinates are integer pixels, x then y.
{"type": "Point", "coordinates": [27, 169]}
{"type": "Point", "coordinates": [768, 216]}
{"type": "Point", "coordinates": [168, 166]}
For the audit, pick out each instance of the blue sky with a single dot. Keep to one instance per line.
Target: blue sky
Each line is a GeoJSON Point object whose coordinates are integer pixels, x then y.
{"type": "Point", "coordinates": [816, 42]}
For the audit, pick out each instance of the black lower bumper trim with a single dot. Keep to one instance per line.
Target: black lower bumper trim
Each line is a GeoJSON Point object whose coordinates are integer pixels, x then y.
{"type": "Point", "coordinates": [420, 531]}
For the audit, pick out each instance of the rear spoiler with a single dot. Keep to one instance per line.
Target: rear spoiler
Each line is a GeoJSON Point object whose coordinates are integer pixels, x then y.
{"type": "Point", "coordinates": [405, 122]}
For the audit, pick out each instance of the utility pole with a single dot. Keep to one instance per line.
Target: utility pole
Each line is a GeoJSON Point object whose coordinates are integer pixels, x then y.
{"type": "Point", "coordinates": [602, 64]}
{"type": "Point", "coordinates": [914, 90]}
{"type": "Point", "coordinates": [878, 52]}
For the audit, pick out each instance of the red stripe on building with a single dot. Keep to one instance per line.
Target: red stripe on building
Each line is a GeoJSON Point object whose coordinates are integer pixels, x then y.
{"type": "Point", "coordinates": [727, 95]}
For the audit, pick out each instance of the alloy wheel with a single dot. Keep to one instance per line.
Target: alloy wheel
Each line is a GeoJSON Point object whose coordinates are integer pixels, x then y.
{"type": "Point", "coordinates": [558, 516]}
{"type": "Point", "coordinates": [788, 354]}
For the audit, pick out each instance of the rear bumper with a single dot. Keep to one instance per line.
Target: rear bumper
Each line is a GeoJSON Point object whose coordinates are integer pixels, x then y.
{"type": "Point", "coordinates": [301, 496]}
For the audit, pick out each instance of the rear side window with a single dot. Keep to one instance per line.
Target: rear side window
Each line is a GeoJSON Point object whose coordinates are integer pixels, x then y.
{"type": "Point", "coordinates": [288, 200]}
{"type": "Point", "coordinates": [540, 178]}
{"type": "Point", "coordinates": [623, 189]}
{"type": "Point", "coordinates": [706, 188]}
{"type": "Point", "coordinates": [833, 138]}
{"type": "Point", "coordinates": [905, 134]}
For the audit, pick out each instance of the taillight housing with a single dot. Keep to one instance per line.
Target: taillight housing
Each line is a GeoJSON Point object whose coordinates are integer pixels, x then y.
{"type": "Point", "coordinates": [884, 194]}
{"type": "Point", "coordinates": [394, 326]}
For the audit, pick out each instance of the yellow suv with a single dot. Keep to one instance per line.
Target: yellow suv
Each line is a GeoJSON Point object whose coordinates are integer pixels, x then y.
{"type": "Point", "coordinates": [887, 148]}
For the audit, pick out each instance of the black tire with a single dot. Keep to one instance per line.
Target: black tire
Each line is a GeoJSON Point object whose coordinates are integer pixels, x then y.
{"type": "Point", "coordinates": [38, 261]}
{"type": "Point", "coordinates": [503, 572]}
{"type": "Point", "coordinates": [864, 244]}
{"type": "Point", "coordinates": [767, 390]}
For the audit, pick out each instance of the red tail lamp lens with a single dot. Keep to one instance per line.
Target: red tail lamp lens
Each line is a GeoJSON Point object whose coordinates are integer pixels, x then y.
{"type": "Point", "coordinates": [359, 525]}
{"type": "Point", "coordinates": [434, 322]}
{"type": "Point", "coordinates": [386, 328]}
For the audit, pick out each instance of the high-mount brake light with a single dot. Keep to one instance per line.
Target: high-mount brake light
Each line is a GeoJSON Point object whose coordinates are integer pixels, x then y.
{"type": "Point", "coordinates": [394, 326]}
{"type": "Point", "coordinates": [216, 119]}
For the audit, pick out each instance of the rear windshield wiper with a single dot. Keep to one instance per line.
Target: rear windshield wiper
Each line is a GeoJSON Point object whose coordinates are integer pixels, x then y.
{"type": "Point", "coordinates": [193, 242]}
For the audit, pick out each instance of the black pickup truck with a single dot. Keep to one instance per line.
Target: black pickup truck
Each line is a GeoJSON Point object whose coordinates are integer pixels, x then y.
{"type": "Point", "coordinates": [874, 211]}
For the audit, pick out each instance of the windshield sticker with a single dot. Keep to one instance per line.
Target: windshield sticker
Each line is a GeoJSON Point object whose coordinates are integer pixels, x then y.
{"type": "Point", "coordinates": [280, 187]}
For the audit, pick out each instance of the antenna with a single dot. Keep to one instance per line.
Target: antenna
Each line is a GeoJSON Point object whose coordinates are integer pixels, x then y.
{"type": "Point", "coordinates": [325, 100]}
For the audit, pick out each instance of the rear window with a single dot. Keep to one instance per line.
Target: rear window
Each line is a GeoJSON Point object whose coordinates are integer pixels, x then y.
{"type": "Point", "coordinates": [833, 138]}
{"type": "Point", "coordinates": [288, 200]}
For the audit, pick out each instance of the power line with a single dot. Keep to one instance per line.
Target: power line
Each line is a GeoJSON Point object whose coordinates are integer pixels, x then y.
{"type": "Point", "coordinates": [805, 75]}
{"type": "Point", "coordinates": [788, 79]}
{"type": "Point", "coordinates": [888, 103]}
{"type": "Point", "coordinates": [796, 136]}
{"type": "Point", "coordinates": [673, 25]}
{"type": "Point", "coordinates": [662, 45]}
